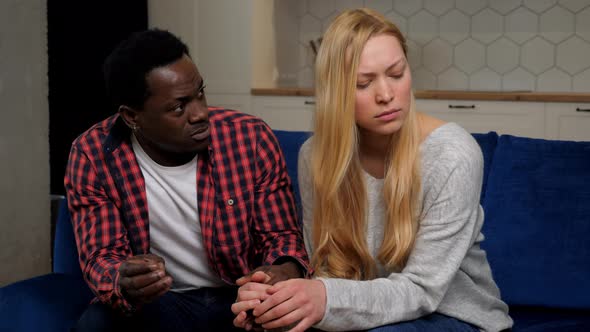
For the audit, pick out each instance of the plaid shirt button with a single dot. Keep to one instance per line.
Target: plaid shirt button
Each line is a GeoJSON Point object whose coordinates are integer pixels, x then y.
{"type": "Point", "coordinates": [230, 202]}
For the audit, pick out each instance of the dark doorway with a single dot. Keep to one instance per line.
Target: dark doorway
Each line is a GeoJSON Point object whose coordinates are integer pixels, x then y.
{"type": "Point", "coordinates": [80, 34]}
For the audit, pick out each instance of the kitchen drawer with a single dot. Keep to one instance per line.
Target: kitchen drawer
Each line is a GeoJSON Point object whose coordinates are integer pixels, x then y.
{"type": "Point", "coordinates": [285, 113]}
{"type": "Point", "coordinates": [518, 118]}
{"type": "Point", "coordinates": [568, 121]}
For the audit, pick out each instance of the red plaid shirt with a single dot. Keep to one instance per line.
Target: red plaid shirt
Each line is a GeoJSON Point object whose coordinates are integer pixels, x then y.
{"type": "Point", "coordinates": [245, 201]}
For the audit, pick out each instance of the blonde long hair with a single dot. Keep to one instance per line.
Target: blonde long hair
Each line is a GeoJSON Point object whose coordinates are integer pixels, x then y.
{"type": "Point", "coordinates": [340, 200]}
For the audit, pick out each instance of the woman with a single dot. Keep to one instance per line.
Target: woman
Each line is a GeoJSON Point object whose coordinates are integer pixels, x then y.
{"type": "Point", "coordinates": [390, 204]}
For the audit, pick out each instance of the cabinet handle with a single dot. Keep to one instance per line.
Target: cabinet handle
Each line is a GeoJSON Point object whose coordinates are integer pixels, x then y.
{"type": "Point", "coordinates": [309, 102]}
{"type": "Point", "coordinates": [462, 106]}
{"type": "Point", "coordinates": [582, 109]}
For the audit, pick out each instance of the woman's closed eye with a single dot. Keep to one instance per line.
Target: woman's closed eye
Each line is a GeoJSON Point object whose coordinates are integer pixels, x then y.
{"type": "Point", "coordinates": [362, 84]}
{"type": "Point", "coordinates": [397, 76]}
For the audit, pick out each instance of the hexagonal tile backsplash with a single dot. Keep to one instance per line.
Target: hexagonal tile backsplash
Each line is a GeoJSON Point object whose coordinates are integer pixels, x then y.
{"type": "Point", "coordinates": [538, 45]}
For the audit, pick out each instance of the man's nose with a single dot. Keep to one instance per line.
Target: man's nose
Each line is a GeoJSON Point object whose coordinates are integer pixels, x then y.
{"type": "Point", "coordinates": [197, 111]}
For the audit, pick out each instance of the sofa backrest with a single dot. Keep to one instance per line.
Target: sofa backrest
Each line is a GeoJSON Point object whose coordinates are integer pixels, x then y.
{"type": "Point", "coordinates": [537, 221]}
{"type": "Point", "coordinates": [65, 253]}
{"type": "Point", "coordinates": [290, 142]}
{"type": "Point", "coordinates": [536, 196]}
{"type": "Point", "coordinates": [487, 142]}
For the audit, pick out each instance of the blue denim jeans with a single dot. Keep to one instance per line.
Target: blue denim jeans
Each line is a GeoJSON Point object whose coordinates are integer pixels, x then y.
{"type": "Point", "coordinates": [204, 309]}
{"type": "Point", "coordinates": [433, 322]}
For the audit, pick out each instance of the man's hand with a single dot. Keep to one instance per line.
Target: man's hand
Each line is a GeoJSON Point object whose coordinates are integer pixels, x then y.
{"type": "Point", "coordinates": [250, 294]}
{"type": "Point", "coordinates": [253, 289]}
{"type": "Point", "coordinates": [274, 273]}
{"type": "Point", "coordinates": [143, 278]}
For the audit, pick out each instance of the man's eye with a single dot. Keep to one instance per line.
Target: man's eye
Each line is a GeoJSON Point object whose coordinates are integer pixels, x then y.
{"type": "Point", "coordinates": [178, 108]}
{"type": "Point", "coordinates": [201, 92]}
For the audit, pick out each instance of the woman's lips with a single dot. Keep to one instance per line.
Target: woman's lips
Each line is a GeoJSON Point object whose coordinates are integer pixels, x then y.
{"type": "Point", "coordinates": [389, 115]}
{"type": "Point", "coordinates": [201, 133]}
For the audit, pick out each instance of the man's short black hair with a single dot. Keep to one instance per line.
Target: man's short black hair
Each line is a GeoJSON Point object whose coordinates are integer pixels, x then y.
{"type": "Point", "coordinates": [126, 68]}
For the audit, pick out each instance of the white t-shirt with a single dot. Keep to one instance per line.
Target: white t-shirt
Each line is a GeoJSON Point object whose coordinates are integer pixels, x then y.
{"type": "Point", "coordinates": [175, 229]}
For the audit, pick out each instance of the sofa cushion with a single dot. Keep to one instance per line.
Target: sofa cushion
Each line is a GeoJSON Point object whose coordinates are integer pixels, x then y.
{"type": "Point", "coordinates": [65, 253]}
{"type": "Point", "coordinates": [52, 302]}
{"type": "Point", "coordinates": [487, 142]}
{"type": "Point", "coordinates": [537, 227]}
{"type": "Point", "coordinates": [531, 319]}
{"type": "Point", "coordinates": [290, 142]}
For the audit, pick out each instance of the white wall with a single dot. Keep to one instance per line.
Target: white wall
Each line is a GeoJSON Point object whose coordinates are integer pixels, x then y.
{"type": "Point", "coordinates": [219, 35]}
{"type": "Point", "coordinates": [467, 44]}
{"type": "Point", "coordinates": [178, 17]}
{"type": "Point", "coordinates": [24, 141]}
{"type": "Point", "coordinates": [264, 71]}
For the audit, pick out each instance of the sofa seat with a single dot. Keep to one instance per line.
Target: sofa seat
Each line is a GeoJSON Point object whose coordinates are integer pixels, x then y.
{"type": "Point", "coordinates": [52, 302]}
{"type": "Point", "coordinates": [534, 319]}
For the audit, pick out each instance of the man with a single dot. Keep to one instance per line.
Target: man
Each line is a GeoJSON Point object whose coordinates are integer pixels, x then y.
{"type": "Point", "coordinates": [173, 201]}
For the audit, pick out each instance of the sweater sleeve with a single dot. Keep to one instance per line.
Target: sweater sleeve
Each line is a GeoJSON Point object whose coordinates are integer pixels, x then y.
{"type": "Point", "coordinates": [305, 190]}
{"type": "Point", "coordinates": [451, 181]}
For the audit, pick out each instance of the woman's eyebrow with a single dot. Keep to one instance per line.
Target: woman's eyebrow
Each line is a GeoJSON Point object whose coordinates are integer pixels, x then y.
{"type": "Point", "coordinates": [393, 65]}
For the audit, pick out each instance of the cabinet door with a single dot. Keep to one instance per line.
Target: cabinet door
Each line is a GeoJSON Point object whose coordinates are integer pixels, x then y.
{"type": "Point", "coordinates": [236, 102]}
{"type": "Point", "coordinates": [568, 121]}
{"type": "Point", "coordinates": [517, 118]}
{"type": "Point", "coordinates": [284, 113]}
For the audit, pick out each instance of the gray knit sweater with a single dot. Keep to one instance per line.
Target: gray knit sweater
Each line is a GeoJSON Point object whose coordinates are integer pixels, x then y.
{"type": "Point", "coordinates": [447, 271]}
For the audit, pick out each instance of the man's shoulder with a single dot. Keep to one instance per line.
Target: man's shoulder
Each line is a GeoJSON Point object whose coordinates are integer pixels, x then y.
{"type": "Point", "coordinates": [230, 125]}
{"type": "Point", "coordinates": [223, 116]}
{"type": "Point", "coordinates": [95, 136]}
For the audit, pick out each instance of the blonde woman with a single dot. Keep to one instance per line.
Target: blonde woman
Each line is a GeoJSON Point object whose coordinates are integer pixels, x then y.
{"type": "Point", "coordinates": [390, 204]}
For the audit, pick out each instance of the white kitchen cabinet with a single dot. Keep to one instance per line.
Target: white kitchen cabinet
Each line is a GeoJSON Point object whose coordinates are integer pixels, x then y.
{"type": "Point", "coordinates": [514, 118]}
{"type": "Point", "coordinates": [567, 121]}
{"type": "Point", "coordinates": [284, 113]}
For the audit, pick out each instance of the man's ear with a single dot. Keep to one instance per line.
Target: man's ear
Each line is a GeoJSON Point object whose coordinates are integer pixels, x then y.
{"type": "Point", "coordinates": [129, 115]}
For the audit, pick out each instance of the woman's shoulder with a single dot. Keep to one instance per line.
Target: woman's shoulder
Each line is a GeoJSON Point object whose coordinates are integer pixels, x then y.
{"type": "Point", "coordinates": [449, 139]}
{"type": "Point", "coordinates": [304, 157]}
{"type": "Point", "coordinates": [305, 149]}
{"type": "Point", "coordinates": [450, 159]}
{"type": "Point", "coordinates": [449, 147]}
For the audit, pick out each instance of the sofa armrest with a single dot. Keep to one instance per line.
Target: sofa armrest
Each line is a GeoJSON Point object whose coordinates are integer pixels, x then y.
{"type": "Point", "coordinates": [52, 302]}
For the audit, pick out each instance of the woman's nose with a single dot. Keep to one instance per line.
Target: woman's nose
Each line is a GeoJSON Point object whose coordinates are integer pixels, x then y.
{"type": "Point", "coordinates": [384, 93]}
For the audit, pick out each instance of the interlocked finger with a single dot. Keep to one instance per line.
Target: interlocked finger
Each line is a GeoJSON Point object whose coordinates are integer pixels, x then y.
{"type": "Point", "coordinates": [282, 312]}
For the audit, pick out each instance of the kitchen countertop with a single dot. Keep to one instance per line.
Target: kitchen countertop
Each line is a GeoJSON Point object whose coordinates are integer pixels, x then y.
{"type": "Point", "coordinates": [457, 95]}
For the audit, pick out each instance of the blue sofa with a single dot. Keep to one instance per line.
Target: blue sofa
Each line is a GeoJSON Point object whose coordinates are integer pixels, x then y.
{"type": "Point", "coordinates": [536, 195]}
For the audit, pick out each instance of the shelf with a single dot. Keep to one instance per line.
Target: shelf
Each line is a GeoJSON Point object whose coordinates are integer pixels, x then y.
{"type": "Point", "coordinates": [457, 95]}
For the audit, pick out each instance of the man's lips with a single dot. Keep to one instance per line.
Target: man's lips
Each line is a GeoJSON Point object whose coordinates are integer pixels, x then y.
{"type": "Point", "coordinates": [201, 133]}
